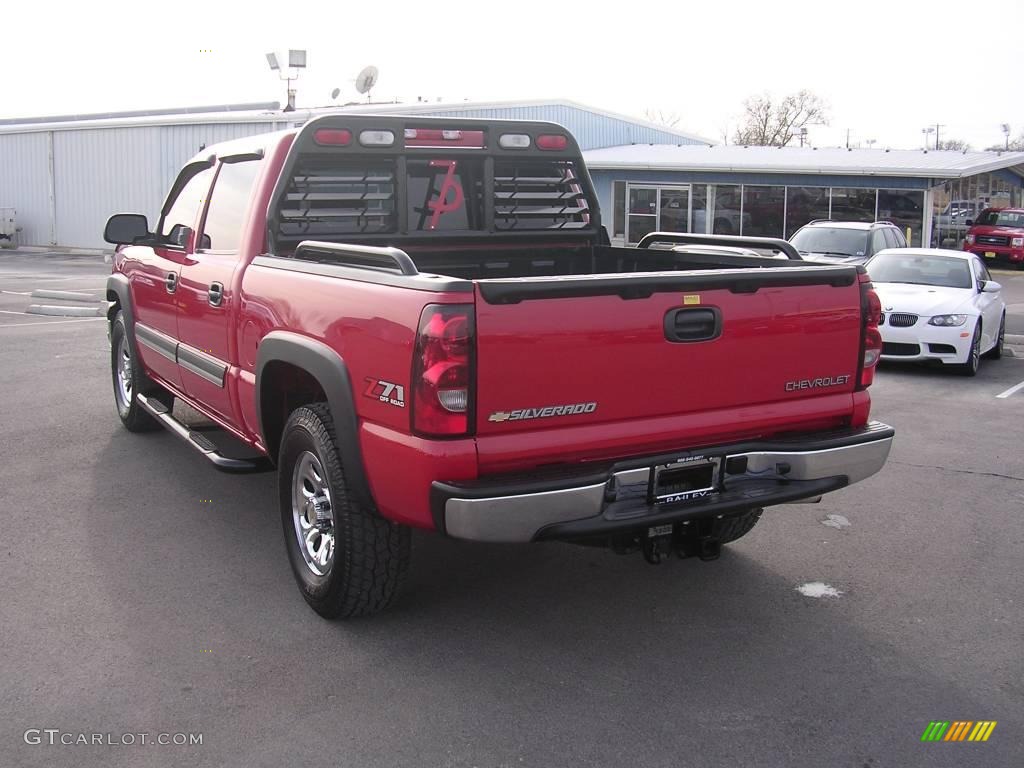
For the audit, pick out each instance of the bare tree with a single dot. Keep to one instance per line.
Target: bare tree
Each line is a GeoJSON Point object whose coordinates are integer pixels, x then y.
{"type": "Point", "coordinates": [670, 119]}
{"type": "Point", "coordinates": [1013, 145]}
{"type": "Point", "coordinates": [958, 145]}
{"type": "Point", "coordinates": [770, 123]}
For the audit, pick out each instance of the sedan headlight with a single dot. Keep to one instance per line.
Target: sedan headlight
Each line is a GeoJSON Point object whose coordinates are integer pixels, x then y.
{"type": "Point", "coordinates": [969, 239]}
{"type": "Point", "coordinates": [948, 320]}
{"type": "Point", "coordinates": [1017, 242]}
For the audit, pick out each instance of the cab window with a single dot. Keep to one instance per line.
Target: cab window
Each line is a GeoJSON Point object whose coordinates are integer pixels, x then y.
{"type": "Point", "coordinates": [229, 202]}
{"type": "Point", "coordinates": [185, 209]}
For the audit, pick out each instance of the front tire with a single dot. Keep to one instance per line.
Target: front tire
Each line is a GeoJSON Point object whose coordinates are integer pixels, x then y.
{"type": "Point", "coordinates": [347, 560]}
{"type": "Point", "coordinates": [970, 368]}
{"type": "Point", "coordinates": [128, 378]}
{"type": "Point", "coordinates": [997, 351]}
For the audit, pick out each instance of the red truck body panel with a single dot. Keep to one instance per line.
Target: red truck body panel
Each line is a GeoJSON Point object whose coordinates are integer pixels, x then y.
{"type": "Point", "coordinates": [650, 395]}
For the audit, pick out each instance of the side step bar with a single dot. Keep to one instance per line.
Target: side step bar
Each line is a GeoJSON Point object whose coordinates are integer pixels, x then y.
{"type": "Point", "coordinates": [199, 441]}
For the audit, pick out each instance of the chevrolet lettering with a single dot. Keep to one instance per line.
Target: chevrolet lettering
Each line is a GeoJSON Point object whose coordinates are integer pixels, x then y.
{"type": "Point", "coordinates": [827, 381]}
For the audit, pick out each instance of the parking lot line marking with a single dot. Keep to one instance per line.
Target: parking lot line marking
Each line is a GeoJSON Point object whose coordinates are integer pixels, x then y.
{"type": "Point", "coordinates": [1011, 390]}
{"type": "Point", "coordinates": [48, 322]}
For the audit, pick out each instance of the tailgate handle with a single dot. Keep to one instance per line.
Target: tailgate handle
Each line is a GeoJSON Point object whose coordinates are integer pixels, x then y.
{"type": "Point", "coordinates": [693, 324]}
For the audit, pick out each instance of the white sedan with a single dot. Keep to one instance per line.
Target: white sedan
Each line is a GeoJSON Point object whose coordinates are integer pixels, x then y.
{"type": "Point", "coordinates": [938, 305]}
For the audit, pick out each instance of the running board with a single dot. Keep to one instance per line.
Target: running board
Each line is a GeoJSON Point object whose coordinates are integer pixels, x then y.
{"type": "Point", "coordinates": [199, 441]}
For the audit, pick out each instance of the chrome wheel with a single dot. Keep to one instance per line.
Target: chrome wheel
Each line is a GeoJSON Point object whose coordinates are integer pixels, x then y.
{"type": "Point", "coordinates": [124, 373]}
{"type": "Point", "coordinates": [975, 359]}
{"type": "Point", "coordinates": [312, 513]}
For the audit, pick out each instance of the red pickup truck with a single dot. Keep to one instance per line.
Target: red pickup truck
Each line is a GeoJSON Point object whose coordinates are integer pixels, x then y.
{"type": "Point", "coordinates": [421, 323]}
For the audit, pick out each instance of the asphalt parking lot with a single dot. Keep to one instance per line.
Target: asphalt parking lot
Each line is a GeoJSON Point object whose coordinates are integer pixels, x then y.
{"type": "Point", "coordinates": [146, 593]}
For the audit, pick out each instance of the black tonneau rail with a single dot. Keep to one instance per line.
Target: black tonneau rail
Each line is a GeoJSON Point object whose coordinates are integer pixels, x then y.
{"type": "Point", "coordinates": [642, 285]}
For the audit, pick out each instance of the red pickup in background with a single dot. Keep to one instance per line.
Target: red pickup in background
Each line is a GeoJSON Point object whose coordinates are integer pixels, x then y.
{"type": "Point", "coordinates": [997, 235]}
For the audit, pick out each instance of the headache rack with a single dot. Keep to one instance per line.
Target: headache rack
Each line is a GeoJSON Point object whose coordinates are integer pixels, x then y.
{"type": "Point", "coordinates": [424, 178]}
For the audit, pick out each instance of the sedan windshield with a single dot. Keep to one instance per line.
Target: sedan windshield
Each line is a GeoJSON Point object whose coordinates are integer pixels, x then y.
{"type": "Point", "coordinates": [843, 242]}
{"type": "Point", "coordinates": [941, 271]}
{"type": "Point", "coordinates": [1001, 219]}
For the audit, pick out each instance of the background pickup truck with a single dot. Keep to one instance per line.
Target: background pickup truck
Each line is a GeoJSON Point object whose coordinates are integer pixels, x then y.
{"type": "Point", "coordinates": [420, 322]}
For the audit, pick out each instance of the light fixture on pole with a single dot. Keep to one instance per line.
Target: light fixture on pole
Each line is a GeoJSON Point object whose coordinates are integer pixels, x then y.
{"type": "Point", "coordinates": [1005, 127]}
{"type": "Point", "coordinates": [927, 132]}
{"type": "Point", "coordinates": [296, 61]}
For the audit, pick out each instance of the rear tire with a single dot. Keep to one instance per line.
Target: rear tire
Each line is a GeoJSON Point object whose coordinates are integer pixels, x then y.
{"type": "Point", "coordinates": [732, 528]}
{"type": "Point", "coordinates": [129, 378]}
{"type": "Point", "coordinates": [347, 560]}
{"type": "Point", "coordinates": [997, 351]}
{"type": "Point", "coordinates": [970, 368]}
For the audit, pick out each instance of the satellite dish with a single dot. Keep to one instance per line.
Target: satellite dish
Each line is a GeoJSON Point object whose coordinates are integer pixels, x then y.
{"type": "Point", "coordinates": [335, 92]}
{"type": "Point", "coordinates": [366, 79]}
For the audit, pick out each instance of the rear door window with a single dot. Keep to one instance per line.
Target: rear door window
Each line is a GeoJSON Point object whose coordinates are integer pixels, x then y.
{"type": "Point", "coordinates": [229, 202]}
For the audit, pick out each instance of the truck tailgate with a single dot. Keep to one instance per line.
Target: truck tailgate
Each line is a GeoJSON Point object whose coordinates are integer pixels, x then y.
{"type": "Point", "coordinates": [567, 352]}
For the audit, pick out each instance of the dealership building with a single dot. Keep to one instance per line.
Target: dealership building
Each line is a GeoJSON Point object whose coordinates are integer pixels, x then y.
{"type": "Point", "coordinates": [65, 175]}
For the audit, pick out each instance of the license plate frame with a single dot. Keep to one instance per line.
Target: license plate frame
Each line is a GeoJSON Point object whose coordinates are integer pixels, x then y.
{"type": "Point", "coordinates": [990, 254]}
{"type": "Point", "coordinates": [684, 480]}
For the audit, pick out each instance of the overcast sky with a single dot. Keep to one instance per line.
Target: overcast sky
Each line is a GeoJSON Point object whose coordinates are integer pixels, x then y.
{"type": "Point", "coordinates": [886, 69]}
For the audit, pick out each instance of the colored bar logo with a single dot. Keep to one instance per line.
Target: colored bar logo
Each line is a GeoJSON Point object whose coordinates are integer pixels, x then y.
{"type": "Point", "coordinates": [958, 730]}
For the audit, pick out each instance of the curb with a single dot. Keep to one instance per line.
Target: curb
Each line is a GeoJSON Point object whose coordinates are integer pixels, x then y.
{"type": "Point", "coordinates": [55, 311]}
{"type": "Point", "coordinates": [1014, 338]}
{"type": "Point", "coordinates": [66, 296]}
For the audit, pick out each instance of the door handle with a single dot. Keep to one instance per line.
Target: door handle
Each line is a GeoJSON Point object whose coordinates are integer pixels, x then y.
{"type": "Point", "coordinates": [696, 324]}
{"type": "Point", "coordinates": [171, 282]}
{"type": "Point", "coordinates": [216, 294]}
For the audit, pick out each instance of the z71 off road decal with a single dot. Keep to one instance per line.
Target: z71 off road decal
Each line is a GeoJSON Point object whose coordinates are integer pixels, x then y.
{"type": "Point", "coordinates": [547, 412]}
{"type": "Point", "coordinates": [385, 392]}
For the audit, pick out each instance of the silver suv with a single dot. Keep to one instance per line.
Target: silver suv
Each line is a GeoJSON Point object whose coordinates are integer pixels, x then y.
{"type": "Point", "coordinates": [846, 242]}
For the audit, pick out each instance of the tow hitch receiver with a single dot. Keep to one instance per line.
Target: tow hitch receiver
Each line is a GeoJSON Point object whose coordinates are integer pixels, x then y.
{"type": "Point", "coordinates": [686, 539]}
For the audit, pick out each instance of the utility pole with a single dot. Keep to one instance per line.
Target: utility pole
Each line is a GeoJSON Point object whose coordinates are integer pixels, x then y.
{"type": "Point", "coordinates": [937, 126]}
{"type": "Point", "coordinates": [847, 138]}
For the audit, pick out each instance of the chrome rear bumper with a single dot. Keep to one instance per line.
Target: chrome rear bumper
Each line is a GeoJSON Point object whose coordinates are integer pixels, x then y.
{"type": "Point", "coordinates": [615, 497]}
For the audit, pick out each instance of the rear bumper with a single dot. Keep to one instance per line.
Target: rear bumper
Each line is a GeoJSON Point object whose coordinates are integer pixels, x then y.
{"type": "Point", "coordinates": [614, 497]}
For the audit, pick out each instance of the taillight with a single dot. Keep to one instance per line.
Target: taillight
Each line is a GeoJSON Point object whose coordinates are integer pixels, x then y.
{"type": "Point", "coordinates": [552, 141]}
{"type": "Point", "coordinates": [514, 141]}
{"type": "Point", "coordinates": [376, 138]}
{"type": "Point", "coordinates": [442, 371]}
{"type": "Point", "coordinates": [872, 309]}
{"type": "Point", "coordinates": [336, 136]}
{"type": "Point", "coordinates": [443, 137]}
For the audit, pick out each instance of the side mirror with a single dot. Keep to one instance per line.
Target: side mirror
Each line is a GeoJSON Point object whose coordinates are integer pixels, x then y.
{"type": "Point", "coordinates": [991, 286]}
{"type": "Point", "coordinates": [969, 222]}
{"type": "Point", "coordinates": [126, 228]}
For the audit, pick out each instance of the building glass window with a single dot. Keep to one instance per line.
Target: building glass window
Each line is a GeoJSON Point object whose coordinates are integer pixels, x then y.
{"type": "Point", "coordinates": [804, 204]}
{"type": "Point", "coordinates": [905, 209]}
{"type": "Point", "coordinates": [763, 210]}
{"type": "Point", "coordinates": [699, 208]}
{"type": "Point", "coordinates": [619, 209]}
{"type": "Point", "coordinates": [643, 212]}
{"type": "Point", "coordinates": [853, 204]}
{"type": "Point", "coordinates": [727, 210]}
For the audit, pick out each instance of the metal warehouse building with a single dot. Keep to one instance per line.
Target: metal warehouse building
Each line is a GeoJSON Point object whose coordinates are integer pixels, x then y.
{"type": "Point", "coordinates": [65, 176]}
